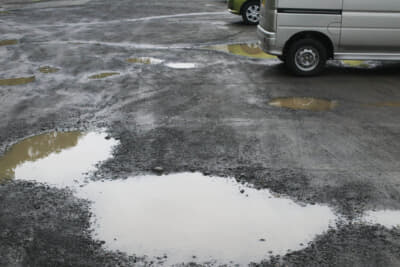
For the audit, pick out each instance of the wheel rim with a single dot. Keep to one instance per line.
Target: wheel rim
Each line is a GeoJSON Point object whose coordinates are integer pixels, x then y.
{"type": "Point", "coordinates": [307, 58]}
{"type": "Point", "coordinates": [253, 13]}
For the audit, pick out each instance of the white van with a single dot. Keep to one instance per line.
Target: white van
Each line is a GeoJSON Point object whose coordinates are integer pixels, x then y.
{"type": "Point", "coordinates": [306, 33]}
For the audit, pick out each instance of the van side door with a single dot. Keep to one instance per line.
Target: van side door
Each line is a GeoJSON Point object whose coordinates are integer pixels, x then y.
{"type": "Point", "coordinates": [295, 16]}
{"type": "Point", "coordinates": [370, 26]}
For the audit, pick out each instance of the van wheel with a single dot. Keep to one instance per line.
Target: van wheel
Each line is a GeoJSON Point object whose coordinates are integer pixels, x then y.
{"type": "Point", "coordinates": [251, 12]}
{"type": "Point", "coordinates": [306, 57]}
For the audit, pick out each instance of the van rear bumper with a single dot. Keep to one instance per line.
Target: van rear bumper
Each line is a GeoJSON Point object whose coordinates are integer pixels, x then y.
{"type": "Point", "coordinates": [268, 41]}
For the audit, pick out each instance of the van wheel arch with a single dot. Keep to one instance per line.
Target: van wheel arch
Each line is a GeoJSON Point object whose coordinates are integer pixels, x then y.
{"type": "Point", "coordinates": [325, 40]}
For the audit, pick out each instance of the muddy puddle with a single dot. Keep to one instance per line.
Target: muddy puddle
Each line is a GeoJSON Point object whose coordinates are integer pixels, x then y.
{"type": "Point", "coordinates": [191, 217]}
{"type": "Point", "coordinates": [394, 104]}
{"type": "Point", "coordinates": [57, 158]}
{"type": "Point", "coordinates": [144, 60]}
{"type": "Point", "coordinates": [103, 75]}
{"type": "Point", "coordinates": [48, 69]}
{"type": "Point", "coordinates": [359, 64]}
{"type": "Point", "coordinates": [251, 50]}
{"type": "Point", "coordinates": [8, 42]}
{"type": "Point", "coordinates": [304, 103]}
{"type": "Point", "coordinates": [17, 81]}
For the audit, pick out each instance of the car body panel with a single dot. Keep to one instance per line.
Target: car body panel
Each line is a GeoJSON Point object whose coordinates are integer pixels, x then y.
{"type": "Point", "coordinates": [358, 29]}
{"type": "Point", "coordinates": [370, 25]}
{"type": "Point", "coordinates": [235, 6]}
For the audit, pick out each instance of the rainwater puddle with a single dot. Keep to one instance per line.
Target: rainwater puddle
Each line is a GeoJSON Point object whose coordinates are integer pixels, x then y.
{"type": "Point", "coordinates": [394, 104]}
{"type": "Point", "coordinates": [251, 50]}
{"type": "Point", "coordinates": [8, 42]}
{"type": "Point", "coordinates": [387, 218]}
{"type": "Point", "coordinates": [103, 75]}
{"type": "Point", "coordinates": [48, 69]}
{"type": "Point", "coordinates": [192, 217]}
{"type": "Point", "coordinates": [359, 63]}
{"type": "Point", "coordinates": [56, 158]}
{"type": "Point", "coordinates": [144, 60]}
{"type": "Point", "coordinates": [177, 65]}
{"type": "Point", "coordinates": [186, 217]}
{"type": "Point", "coordinates": [16, 81]}
{"type": "Point", "coordinates": [304, 103]}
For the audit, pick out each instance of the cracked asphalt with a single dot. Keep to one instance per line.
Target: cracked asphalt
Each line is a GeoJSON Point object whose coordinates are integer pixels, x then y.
{"type": "Point", "coordinates": [213, 117]}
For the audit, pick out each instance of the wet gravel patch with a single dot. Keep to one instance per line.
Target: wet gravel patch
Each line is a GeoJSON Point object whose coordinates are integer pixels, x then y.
{"type": "Point", "coordinates": [354, 245]}
{"type": "Point", "coordinates": [214, 118]}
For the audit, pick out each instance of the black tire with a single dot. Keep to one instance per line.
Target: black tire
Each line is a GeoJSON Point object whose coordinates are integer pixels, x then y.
{"type": "Point", "coordinates": [248, 14]}
{"type": "Point", "coordinates": [281, 58]}
{"type": "Point", "coordinates": [311, 49]}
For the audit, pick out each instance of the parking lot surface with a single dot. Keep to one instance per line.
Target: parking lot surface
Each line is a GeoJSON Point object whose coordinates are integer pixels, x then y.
{"type": "Point", "coordinates": [180, 86]}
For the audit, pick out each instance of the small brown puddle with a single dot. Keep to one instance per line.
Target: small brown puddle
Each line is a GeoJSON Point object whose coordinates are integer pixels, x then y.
{"type": "Point", "coordinates": [17, 81]}
{"type": "Point", "coordinates": [103, 75]}
{"type": "Point", "coordinates": [144, 60]}
{"type": "Point", "coordinates": [395, 104]}
{"type": "Point", "coordinates": [304, 103]}
{"type": "Point", "coordinates": [8, 42]}
{"type": "Point", "coordinates": [358, 63]}
{"type": "Point", "coordinates": [35, 148]}
{"type": "Point", "coordinates": [57, 158]}
{"type": "Point", "coordinates": [48, 69]}
{"type": "Point", "coordinates": [248, 50]}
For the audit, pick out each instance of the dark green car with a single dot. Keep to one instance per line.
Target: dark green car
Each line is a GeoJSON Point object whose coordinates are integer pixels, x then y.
{"type": "Point", "coordinates": [248, 9]}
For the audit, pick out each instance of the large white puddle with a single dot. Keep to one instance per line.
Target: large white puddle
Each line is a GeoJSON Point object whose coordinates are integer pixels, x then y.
{"type": "Point", "coordinates": [387, 218]}
{"type": "Point", "coordinates": [188, 214]}
{"type": "Point", "coordinates": [185, 217]}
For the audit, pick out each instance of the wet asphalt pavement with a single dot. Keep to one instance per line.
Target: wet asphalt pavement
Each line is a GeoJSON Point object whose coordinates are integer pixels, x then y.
{"type": "Point", "coordinates": [142, 71]}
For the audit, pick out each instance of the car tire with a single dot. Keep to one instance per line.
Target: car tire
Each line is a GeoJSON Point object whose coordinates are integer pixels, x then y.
{"type": "Point", "coordinates": [251, 12]}
{"type": "Point", "coordinates": [281, 58]}
{"type": "Point", "coordinates": [306, 57]}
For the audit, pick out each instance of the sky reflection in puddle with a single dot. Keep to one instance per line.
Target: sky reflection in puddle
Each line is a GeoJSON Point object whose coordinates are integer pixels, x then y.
{"type": "Point", "coordinates": [188, 214]}
{"type": "Point", "coordinates": [387, 218]}
{"type": "Point", "coordinates": [181, 65]}
{"type": "Point", "coordinates": [144, 60]}
{"type": "Point", "coordinates": [179, 215]}
{"type": "Point", "coordinates": [56, 158]}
